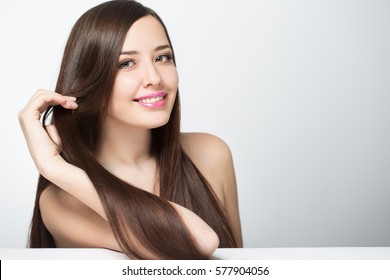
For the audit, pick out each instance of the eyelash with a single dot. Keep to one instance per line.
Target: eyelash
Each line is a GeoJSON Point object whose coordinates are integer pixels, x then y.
{"type": "Point", "coordinates": [125, 63]}
{"type": "Point", "coordinates": [167, 56]}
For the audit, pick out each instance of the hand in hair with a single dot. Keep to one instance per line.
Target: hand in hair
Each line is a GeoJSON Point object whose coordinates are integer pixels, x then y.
{"type": "Point", "coordinates": [43, 144]}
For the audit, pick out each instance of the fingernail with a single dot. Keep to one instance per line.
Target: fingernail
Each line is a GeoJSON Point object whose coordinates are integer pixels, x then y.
{"type": "Point", "coordinates": [72, 104]}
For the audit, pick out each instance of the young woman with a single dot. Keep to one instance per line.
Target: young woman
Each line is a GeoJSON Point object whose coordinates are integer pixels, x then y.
{"type": "Point", "coordinates": [115, 170]}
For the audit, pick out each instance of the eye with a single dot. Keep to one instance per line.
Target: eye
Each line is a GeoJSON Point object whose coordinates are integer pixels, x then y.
{"type": "Point", "coordinates": [164, 58]}
{"type": "Point", "coordinates": [127, 64]}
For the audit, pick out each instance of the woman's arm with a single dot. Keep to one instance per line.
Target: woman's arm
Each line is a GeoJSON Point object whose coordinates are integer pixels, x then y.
{"type": "Point", "coordinates": [46, 153]}
{"type": "Point", "coordinates": [74, 180]}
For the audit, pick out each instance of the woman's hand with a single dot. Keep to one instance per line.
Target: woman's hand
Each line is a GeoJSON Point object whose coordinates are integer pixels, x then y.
{"type": "Point", "coordinates": [42, 144]}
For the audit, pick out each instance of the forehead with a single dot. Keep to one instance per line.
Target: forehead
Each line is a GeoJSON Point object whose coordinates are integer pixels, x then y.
{"type": "Point", "coordinates": [145, 34]}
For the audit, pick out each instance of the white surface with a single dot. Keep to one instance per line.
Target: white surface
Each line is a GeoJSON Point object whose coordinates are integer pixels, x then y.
{"type": "Point", "coordinates": [300, 90]}
{"type": "Point", "coordinates": [368, 253]}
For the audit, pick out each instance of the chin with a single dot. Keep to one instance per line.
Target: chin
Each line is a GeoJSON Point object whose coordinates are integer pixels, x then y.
{"type": "Point", "coordinates": [157, 124]}
{"type": "Point", "coordinates": [156, 120]}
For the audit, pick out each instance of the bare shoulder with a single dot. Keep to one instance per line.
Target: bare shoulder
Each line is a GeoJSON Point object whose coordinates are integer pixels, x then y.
{"type": "Point", "coordinates": [205, 148]}
{"type": "Point", "coordinates": [72, 223]}
{"type": "Point", "coordinates": [212, 156]}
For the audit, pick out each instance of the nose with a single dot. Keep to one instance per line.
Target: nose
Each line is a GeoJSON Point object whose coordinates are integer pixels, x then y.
{"type": "Point", "coordinates": [151, 76]}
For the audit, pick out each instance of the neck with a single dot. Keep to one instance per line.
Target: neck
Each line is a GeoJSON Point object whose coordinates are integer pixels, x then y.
{"type": "Point", "coordinates": [121, 144]}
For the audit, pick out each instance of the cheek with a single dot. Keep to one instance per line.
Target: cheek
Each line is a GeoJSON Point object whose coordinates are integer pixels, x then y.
{"type": "Point", "coordinates": [123, 88]}
{"type": "Point", "coordinates": [171, 79]}
{"type": "Point", "coordinates": [122, 93]}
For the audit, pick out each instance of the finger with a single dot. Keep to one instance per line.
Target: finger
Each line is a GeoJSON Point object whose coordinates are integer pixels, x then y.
{"type": "Point", "coordinates": [72, 98]}
{"type": "Point", "coordinates": [43, 99]}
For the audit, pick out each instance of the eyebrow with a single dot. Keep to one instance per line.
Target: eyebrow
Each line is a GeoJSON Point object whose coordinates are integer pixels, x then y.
{"type": "Point", "coordinates": [159, 48]}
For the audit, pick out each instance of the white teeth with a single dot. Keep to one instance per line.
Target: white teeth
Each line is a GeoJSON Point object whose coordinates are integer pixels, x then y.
{"type": "Point", "coordinates": [151, 100]}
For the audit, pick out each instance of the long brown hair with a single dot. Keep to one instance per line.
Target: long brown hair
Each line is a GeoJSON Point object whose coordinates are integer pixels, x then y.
{"type": "Point", "coordinates": [88, 69]}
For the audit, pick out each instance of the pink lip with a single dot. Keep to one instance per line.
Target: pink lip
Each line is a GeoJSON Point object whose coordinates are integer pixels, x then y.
{"type": "Point", "coordinates": [151, 95]}
{"type": "Point", "coordinates": [152, 105]}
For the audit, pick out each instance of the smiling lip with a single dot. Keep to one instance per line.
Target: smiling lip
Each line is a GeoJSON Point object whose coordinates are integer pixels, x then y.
{"type": "Point", "coordinates": [153, 100]}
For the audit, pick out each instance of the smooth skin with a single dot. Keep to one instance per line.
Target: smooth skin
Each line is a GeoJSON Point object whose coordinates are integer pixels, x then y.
{"type": "Point", "coordinates": [71, 208]}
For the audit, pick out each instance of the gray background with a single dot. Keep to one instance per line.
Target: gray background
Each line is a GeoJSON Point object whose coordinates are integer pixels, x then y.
{"type": "Point", "coordinates": [300, 90]}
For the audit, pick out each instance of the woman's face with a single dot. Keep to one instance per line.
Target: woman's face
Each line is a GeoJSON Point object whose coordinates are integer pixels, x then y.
{"type": "Point", "coordinates": [146, 83]}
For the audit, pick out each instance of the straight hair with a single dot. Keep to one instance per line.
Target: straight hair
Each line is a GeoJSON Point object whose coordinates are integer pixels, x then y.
{"type": "Point", "coordinates": [88, 70]}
